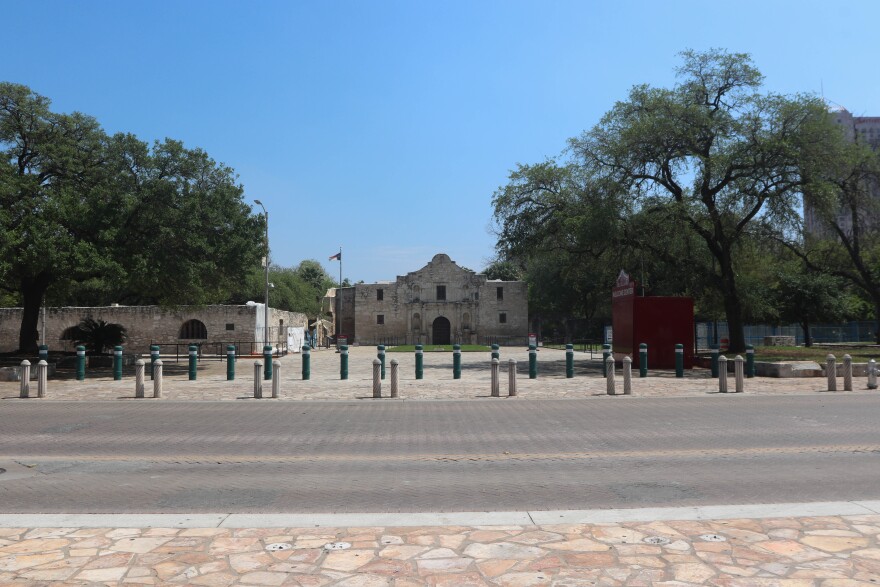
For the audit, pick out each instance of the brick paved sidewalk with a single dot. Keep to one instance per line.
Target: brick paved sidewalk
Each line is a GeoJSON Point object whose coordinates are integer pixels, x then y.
{"type": "Point", "coordinates": [827, 551]}
{"type": "Point", "coordinates": [438, 382]}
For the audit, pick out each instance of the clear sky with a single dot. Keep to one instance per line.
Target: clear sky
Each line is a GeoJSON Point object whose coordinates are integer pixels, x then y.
{"type": "Point", "coordinates": [385, 127]}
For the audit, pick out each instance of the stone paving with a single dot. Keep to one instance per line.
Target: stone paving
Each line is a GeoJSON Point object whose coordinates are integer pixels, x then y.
{"type": "Point", "coordinates": [827, 551]}
{"type": "Point", "coordinates": [438, 382]}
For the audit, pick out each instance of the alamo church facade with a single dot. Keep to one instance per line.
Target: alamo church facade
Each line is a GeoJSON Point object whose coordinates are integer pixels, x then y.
{"type": "Point", "coordinates": [441, 303]}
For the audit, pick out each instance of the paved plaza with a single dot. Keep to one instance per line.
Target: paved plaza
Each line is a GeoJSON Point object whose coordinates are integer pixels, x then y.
{"type": "Point", "coordinates": [437, 384]}
{"type": "Point", "coordinates": [805, 551]}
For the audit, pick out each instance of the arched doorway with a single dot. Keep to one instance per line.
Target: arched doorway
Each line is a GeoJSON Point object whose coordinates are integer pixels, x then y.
{"type": "Point", "coordinates": [440, 331]}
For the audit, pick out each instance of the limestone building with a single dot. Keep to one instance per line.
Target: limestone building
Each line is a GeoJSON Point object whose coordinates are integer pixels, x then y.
{"type": "Point", "coordinates": [441, 303]}
{"type": "Point", "coordinates": [210, 327]}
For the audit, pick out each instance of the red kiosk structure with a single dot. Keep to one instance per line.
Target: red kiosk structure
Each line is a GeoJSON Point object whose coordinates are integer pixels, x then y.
{"type": "Point", "coordinates": [661, 322]}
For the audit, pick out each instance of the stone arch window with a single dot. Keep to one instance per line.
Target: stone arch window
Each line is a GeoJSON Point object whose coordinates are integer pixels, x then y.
{"type": "Point", "coordinates": [417, 321]}
{"type": "Point", "coordinates": [193, 329]}
{"type": "Point", "coordinates": [466, 321]}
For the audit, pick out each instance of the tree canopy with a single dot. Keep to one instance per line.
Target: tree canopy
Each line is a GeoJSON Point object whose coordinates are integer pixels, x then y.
{"type": "Point", "coordinates": [689, 171]}
{"type": "Point", "coordinates": [111, 214]}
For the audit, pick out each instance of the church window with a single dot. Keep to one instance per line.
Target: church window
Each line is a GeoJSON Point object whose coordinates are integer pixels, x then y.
{"type": "Point", "coordinates": [502, 318]}
{"type": "Point", "coordinates": [441, 293]}
{"type": "Point", "coordinates": [380, 295]}
{"type": "Point", "coordinates": [380, 319]}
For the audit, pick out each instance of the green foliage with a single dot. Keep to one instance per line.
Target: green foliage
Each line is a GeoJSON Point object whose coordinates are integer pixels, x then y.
{"type": "Point", "coordinates": [296, 289]}
{"type": "Point", "coordinates": [111, 219]}
{"type": "Point", "coordinates": [503, 270]}
{"type": "Point", "coordinates": [98, 335]}
{"type": "Point", "coordinates": [808, 298]}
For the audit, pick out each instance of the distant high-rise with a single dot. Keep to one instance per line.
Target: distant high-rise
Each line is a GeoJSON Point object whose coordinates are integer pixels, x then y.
{"type": "Point", "coordinates": [863, 129]}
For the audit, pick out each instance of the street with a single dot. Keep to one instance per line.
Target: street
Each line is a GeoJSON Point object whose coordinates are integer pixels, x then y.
{"type": "Point", "coordinates": [477, 455]}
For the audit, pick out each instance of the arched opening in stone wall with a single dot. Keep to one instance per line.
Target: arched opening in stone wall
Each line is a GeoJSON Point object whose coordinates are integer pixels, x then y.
{"type": "Point", "coordinates": [441, 331]}
{"type": "Point", "coordinates": [193, 330]}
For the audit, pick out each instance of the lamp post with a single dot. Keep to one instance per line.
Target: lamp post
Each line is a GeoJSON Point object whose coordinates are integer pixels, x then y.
{"type": "Point", "coordinates": [266, 263]}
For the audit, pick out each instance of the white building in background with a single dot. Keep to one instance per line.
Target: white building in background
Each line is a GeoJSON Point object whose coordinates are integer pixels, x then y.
{"type": "Point", "coordinates": [864, 129]}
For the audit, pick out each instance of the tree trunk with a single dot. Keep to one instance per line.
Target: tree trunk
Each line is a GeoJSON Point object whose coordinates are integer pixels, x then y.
{"type": "Point", "coordinates": [808, 341]}
{"type": "Point", "coordinates": [33, 291]}
{"type": "Point", "coordinates": [732, 306]}
{"type": "Point", "coordinates": [877, 323]}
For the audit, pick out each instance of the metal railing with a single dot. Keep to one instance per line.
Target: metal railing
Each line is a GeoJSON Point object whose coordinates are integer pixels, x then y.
{"type": "Point", "coordinates": [209, 351]}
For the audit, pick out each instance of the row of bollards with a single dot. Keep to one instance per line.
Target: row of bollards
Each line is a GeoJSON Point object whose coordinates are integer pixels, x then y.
{"type": "Point", "coordinates": [738, 371]}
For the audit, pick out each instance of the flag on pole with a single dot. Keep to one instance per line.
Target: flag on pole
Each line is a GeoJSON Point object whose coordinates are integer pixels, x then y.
{"type": "Point", "coordinates": [336, 257]}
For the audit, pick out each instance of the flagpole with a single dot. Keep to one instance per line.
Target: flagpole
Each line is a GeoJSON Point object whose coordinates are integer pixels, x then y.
{"type": "Point", "coordinates": [340, 265]}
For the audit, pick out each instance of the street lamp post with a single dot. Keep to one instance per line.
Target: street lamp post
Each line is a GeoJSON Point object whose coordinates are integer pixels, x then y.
{"type": "Point", "coordinates": [266, 263]}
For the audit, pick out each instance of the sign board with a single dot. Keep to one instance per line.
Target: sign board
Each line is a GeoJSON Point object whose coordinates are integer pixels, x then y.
{"type": "Point", "coordinates": [533, 339]}
{"type": "Point", "coordinates": [342, 339]}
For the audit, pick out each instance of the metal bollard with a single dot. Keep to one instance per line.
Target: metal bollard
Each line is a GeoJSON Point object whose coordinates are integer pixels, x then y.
{"type": "Point", "coordinates": [117, 363]}
{"type": "Point", "coordinates": [496, 353]}
{"type": "Point", "coordinates": [495, 390]}
{"type": "Point", "coordinates": [643, 360]}
{"type": "Point", "coordinates": [258, 383]}
{"type": "Point", "coordinates": [139, 378]}
{"type": "Point", "coordinates": [230, 362]}
{"type": "Point", "coordinates": [738, 373]}
{"type": "Point", "coordinates": [609, 375]}
{"type": "Point", "coordinates": [377, 378]}
{"type": "Point", "coordinates": [569, 361]}
{"type": "Point", "coordinates": [306, 362]}
{"type": "Point", "coordinates": [276, 379]}
{"type": "Point", "coordinates": [44, 353]}
{"type": "Point", "coordinates": [606, 352]}
{"type": "Point", "coordinates": [395, 370]}
{"type": "Point", "coordinates": [420, 361]}
{"type": "Point", "coordinates": [42, 376]}
{"type": "Point", "coordinates": [80, 363]}
{"type": "Point", "coordinates": [750, 361]}
{"type": "Point", "coordinates": [381, 356]}
{"type": "Point", "coordinates": [157, 378]}
{"type": "Point", "coordinates": [533, 362]}
{"type": "Point", "coordinates": [456, 361]}
{"type": "Point", "coordinates": [872, 374]}
{"type": "Point", "coordinates": [847, 373]}
{"type": "Point", "coordinates": [722, 374]}
{"type": "Point", "coordinates": [267, 362]}
{"type": "Point", "coordinates": [343, 361]}
{"type": "Point", "coordinates": [831, 372]}
{"type": "Point", "coordinates": [627, 375]}
{"type": "Point", "coordinates": [25, 387]}
{"type": "Point", "coordinates": [679, 360]}
{"type": "Point", "coordinates": [193, 361]}
{"type": "Point", "coordinates": [714, 351]}
{"type": "Point", "coordinates": [511, 378]}
{"type": "Point", "coordinates": [154, 356]}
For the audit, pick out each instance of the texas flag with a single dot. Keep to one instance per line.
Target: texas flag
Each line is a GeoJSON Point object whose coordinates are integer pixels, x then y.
{"type": "Point", "coordinates": [337, 256]}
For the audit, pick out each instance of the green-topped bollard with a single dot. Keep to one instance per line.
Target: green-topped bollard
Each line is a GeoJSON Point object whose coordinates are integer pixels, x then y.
{"type": "Point", "coordinates": [496, 352]}
{"type": "Point", "coordinates": [230, 362]}
{"type": "Point", "coordinates": [267, 363]}
{"type": "Point", "coordinates": [533, 362]}
{"type": "Point", "coordinates": [713, 349]}
{"type": "Point", "coordinates": [456, 361]}
{"type": "Point", "coordinates": [343, 361]}
{"type": "Point", "coordinates": [193, 361]}
{"type": "Point", "coordinates": [750, 361]}
{"type": "Point", "coordinates": [569, 361]}
{"type": "Point", "coordinates": [80, 363]}
{"type": "Point", "coordinates": [420, 362]}
{"type": "Point", "coordinates": [307, 362]}
{"type": "Point", "coordinates": [117, 363]}
{"type": "Point", "coordinates": [44, 352]}
{"type": "Point", "coordinates": [381, 356]}
{"type": "Point", "coordinates": [154, 356]}
{"type": "Point", "coordinates": [606, 352]}
{"type": "Point", "coordinates": [643, 360]}
{"type": "Point", "coordinates": [679, 360]}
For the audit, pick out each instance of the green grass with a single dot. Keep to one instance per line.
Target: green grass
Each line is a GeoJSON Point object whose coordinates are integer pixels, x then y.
{"type": "Point", "coordinates": [817, 353]}
{"type": "Point", "coordinates": [438, 348]}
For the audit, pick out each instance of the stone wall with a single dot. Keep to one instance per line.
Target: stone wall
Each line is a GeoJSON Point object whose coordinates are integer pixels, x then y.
{"type": "Point", "coordinates": [407, 310]}
{"type": "Point", "coordinates": [147, 325]}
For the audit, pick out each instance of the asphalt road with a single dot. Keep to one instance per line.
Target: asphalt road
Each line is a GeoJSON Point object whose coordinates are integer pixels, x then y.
{"type": "Point", "coordinates": [386, 456]}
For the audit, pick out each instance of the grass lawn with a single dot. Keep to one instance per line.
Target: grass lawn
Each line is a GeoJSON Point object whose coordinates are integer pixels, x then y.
{"type": "Point", "coordinates": [437, 348]}
{"type": "Point", "coordinates": [859, 353]}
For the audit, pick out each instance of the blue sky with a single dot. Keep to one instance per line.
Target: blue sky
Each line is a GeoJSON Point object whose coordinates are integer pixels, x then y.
{"type": "Point", "coordinates": [385, 127]}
